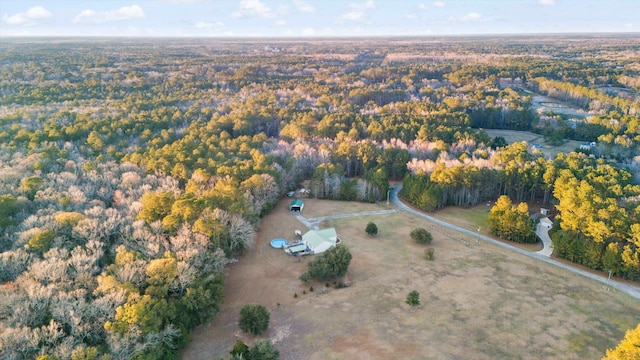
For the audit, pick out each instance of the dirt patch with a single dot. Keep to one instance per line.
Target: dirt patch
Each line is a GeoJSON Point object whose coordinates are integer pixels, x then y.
{"type": "Point", "coordinates": [478, 301]}
{"type": "Point", "coordinates": [316, 207]}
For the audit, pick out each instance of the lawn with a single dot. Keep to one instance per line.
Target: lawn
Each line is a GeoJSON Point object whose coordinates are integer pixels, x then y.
{"type": "Point", "coordinates": [478, 301]}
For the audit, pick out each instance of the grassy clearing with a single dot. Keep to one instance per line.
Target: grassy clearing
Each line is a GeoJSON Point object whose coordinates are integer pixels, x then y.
{"type": "Point", "coordinates": [478, 301]}
{"type": "Point", "coordinates": [316, 208]}
{"type": "Point", "coordinates": [531, 138]}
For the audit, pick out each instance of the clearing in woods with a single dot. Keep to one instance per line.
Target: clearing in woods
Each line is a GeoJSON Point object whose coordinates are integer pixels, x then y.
{"type": "Point", "coordinates": [478, 300]}
{"type": "Point", "coordinates": [532, 138]}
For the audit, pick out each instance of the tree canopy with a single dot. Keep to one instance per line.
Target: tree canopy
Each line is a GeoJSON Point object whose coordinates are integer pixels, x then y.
{"type": "Point", "coordinates": [331, 264]}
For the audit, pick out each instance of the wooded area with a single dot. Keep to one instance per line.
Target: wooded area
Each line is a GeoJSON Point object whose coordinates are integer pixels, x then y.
{"type": "Point", "coordinates": [133, 172]}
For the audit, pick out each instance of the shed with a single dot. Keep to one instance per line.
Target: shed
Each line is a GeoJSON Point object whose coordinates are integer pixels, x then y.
{"type": "Point", "coordinates": [296, 205]}
{"type": "Point", "coordinates": [319, 241]}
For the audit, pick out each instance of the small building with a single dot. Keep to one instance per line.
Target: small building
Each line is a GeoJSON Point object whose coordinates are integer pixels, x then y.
{"type": "Point", "coordinates": [544, 211]}
{"type": "Point", "coordinates": [587, 146]}
{"type": "Point", "coordinates": [296, 205]}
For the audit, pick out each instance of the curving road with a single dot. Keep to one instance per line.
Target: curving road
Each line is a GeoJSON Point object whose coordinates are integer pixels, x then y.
{"type": "Point", "coordinates": [543, 233]}
{"type": "Point", "coordinates": [630, 290]}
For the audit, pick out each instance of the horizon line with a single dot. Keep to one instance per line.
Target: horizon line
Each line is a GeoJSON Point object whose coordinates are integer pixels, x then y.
{"type": "Point", "coordinates": [259, 37]}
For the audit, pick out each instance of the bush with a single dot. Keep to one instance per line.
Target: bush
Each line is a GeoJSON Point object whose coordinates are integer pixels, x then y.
{"type": "Point", "coordinates": [413, 298]}
{"type": "Point", "coordinates": [421, 236]}
{"type": "Point", "coordinates": [428, 254]}
{"type": "Point", "coordinates": [372, 229]}
{"type": "Point", "coordinates": [263, 350]}
{"type": "Point", "coordinates": [254, 319]}
{"type": "Point", "coordinates": [305, 277]}
{"type": "Point", "coordinates": [240, 348]}
{"type": "Point", "coordinates": [332, 264]}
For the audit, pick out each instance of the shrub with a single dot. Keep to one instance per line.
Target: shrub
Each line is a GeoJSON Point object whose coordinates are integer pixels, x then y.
{"type": "Point", "coordinates": [421, 236]}
{"type": "Point", "coordinates": [305, 277]}
{"type": "Point", "coordinates": [371, 229]}
{"type": "Point", "coordinates": [428, 254]}
{"type": "Point", "coordinates": [413, 298]}
{"type": "Point", "coordinates": [254, 319]}
{"type": "Point", "coordinates": [239, 348]}
{"type": "Point", "coordinates": [263, 350]}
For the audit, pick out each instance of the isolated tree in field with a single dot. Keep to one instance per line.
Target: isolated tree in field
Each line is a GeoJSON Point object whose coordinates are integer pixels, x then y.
{"type": "Point", "coordinates": [332, 264]}
{"type": "Point", "coordinates": [263, 350]}
{"type": "Point", "coordinates": [413, 298]}
{"type": "Point", "coordinates": [254, 319]}
{"type": "Point", "coordinates": [629, 347]}
{"type": "Point", "coordinates": [371, 229]}
{"type": "Point", "coordinates": [421, 236]}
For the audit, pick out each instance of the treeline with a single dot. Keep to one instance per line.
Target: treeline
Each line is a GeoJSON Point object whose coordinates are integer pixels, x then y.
{"type": "Point", "coordinates": [584, 97]}
{"type": "Point", "coordinates": [465, 177]}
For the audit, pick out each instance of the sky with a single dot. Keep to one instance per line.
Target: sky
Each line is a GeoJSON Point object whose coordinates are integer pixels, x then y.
{"type": "Point", "coordinates": [314, 18]}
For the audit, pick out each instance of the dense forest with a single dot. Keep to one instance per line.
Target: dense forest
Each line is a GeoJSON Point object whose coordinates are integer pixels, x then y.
{"type": "Point", "coordinates": [133, 172]}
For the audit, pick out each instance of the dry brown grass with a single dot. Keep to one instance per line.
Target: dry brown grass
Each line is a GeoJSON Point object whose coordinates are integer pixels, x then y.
{"type": "Point", "coordinates": [478, 301]}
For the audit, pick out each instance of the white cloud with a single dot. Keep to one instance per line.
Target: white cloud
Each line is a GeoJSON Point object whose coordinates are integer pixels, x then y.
{"type": "Point", "coordinates": [99, 17]}
{"type": "Point", "coordinates": [411, 16]}
{"type": "Point", "coordinates": [547, 2]}
{"type": "Point", "coordinates": [470, 17]}
{"type": "Point", "coordinates": [357, 11]}
{"type": "Point", "coordinates": [204, 25]}
{"type": "Point", "coordinates": [280, 23]}
{"type": "Point", "coordinates": [308, 32]}
{"type": "Point", "coordinates": [181, 1]}
{"type": "Point", "coordinates": [303, 6]}
{"type": "Point", "coordinates": [28, 17]}
{"type": "Point", "coordinates": [434, 5]}
{"type": "Point", "coordinates": [252, 9]}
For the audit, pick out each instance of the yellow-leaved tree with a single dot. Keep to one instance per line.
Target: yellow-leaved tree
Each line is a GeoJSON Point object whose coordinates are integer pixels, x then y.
{"type": "Point", "coordinates": [629, 347]}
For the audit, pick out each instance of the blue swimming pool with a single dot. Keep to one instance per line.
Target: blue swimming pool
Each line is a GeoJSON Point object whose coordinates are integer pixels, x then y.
{"type": "Point", "coordinates": [278, 243]}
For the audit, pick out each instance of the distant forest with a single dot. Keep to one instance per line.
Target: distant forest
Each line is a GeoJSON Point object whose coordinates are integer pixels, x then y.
{"type": "Point", "coordinates": [132, 171]}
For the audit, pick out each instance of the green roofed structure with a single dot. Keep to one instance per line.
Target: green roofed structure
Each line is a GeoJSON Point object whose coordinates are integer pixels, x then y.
{"type": "Point", "coordinates": [296, 205]}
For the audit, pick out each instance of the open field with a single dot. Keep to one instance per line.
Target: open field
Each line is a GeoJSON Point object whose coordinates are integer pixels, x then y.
{"type": "Point", "coordinates": [478, 301]}
{"type": "Point", "coordinates": [532, 138]}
